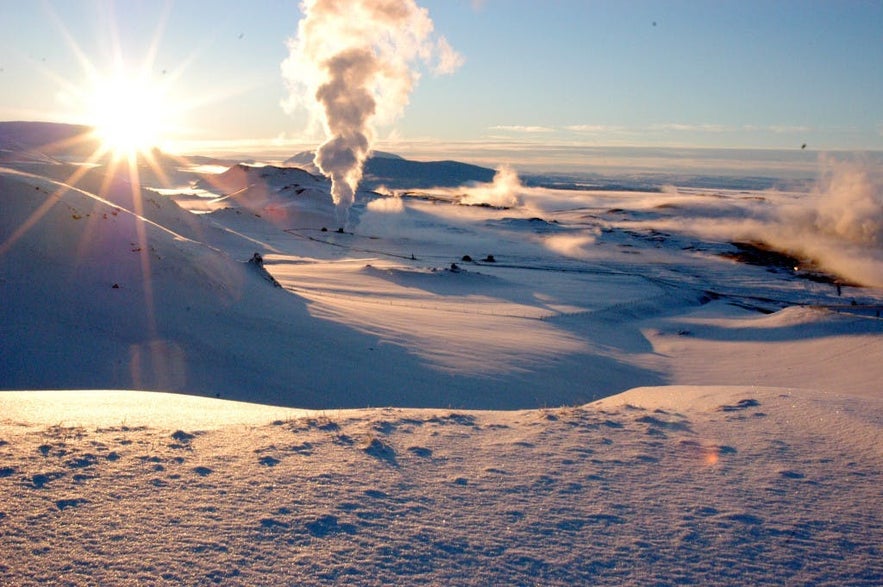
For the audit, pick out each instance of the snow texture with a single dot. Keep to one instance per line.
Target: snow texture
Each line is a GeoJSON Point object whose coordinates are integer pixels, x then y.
{"type": "Point", "coordinates": [587, 386]}
{"type": "Point", "coordinates": [687, 485]}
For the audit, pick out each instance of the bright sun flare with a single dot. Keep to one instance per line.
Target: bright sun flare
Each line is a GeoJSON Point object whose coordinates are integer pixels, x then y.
{"type": "Point", "coordinates": [130, 114]}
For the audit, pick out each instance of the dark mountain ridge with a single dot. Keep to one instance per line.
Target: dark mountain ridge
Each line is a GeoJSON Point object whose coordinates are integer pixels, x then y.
{"type": "Point", "coordinates": [395, 172]}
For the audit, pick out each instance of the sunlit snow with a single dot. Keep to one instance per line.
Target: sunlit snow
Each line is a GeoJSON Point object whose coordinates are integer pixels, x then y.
{"type": "Point", "coordinates": [663, 385]}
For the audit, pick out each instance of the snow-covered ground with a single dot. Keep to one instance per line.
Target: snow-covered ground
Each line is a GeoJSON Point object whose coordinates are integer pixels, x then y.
{"type": "Point", "coordinates": [662, 486]}
{"type": "Point", "coordinates": [546, 386]}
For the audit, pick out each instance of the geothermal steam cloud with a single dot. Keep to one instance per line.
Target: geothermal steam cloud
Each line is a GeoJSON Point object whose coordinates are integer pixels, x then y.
{"type": "Point", "coordinates": [352, 65]}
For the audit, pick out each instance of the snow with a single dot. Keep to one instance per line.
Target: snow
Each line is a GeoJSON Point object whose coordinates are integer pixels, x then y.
{"type": "Point", "coordinates": [583, 387]}
{"type": "Point", "coordinates": [670, 485]}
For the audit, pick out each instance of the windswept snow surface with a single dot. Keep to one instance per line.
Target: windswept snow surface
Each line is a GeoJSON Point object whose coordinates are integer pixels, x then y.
{"type": "Point", "coordinates": [567, 297]}
{"type": "Point", "coordinates": [668, 386]}
{"type": "Point", "coordinates": [664, 486]}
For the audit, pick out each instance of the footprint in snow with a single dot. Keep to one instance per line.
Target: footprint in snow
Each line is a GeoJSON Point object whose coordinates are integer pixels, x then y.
{"type": "Point", "coordinates": [272, 523]}
{"type": "Point", "coordinates": [305, 448]}
{"type": "Point", "coordinates": [792, 475]}
{"type": "Point", "coordinates": [269, 461]}
{"type": "Point", "coordinates": [676, 426]}
{"type": "Point", "coordinates": [382, 451]}
{"type": "Point", "coordinates": [606, 519]}
{"type": "Point", "coordinates": [40, 480]}
{"type": "Point", "coordinates": [327, 525]}
{"type": "Point", "coordinates": [63, 504]}
{"type": "Point", "coordinates": [572, 525]}
{"type": "Point", "coordinates": [344, 440]}
{"type": "Point", "coordinates": [183, 439]}
{"type": "Point", "coordinates": [744, 518]}
{"type": "Point", "coordinates": [454, 418]}
{"type": "Point", "coordinates": [82, 462]}
{"type": "Point", "coordinates": [384, 427]}
{"type": "Point", "coordinates": [743, 404]}
{"type": "Point", "coordinates": [420, 451]}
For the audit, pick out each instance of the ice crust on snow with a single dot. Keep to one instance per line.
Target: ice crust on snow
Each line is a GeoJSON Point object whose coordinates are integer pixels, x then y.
{"type": "Point", "coordinates": [715, 485]}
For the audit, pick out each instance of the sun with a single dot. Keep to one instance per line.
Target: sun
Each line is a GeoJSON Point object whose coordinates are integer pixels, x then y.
{"type": "Point", "coordinates": [130, 113]}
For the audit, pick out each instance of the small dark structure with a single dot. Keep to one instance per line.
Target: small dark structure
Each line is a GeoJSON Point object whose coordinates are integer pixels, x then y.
{"type": "Point", "coordinates": [257, 262]}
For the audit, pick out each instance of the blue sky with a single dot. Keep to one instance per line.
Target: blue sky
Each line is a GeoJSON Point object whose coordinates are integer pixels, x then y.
{"type": "Point", "coordinates": [715, 73]}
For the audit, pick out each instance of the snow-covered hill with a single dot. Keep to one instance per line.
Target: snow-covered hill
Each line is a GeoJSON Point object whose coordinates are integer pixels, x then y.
{"type": "Point", "coordinates": [665, 486]}
{"type": "Point", "coordinates": [41, 141]}
{"type": "Point", "coordinates": [565, 298]}
{"type": "Point", "coordinates": [387, 170]}
{"type": "Point", "coordinates": [671, 386]}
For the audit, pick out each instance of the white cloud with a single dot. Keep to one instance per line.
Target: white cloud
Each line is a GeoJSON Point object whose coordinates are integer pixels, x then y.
{"type": "Point", "coordinates": [785, 129]}
{"type": "Point", "coordinates": [594, 128]}
{"type": "Point", "coordinates": [448, 60]}
{"type": "Point", "coordinates": [689, 127]}
{"type": "Point", "coordinates": [523, 128]}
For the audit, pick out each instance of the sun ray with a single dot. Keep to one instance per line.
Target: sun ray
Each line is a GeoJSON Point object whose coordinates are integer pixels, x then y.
{"type": "Point", "coordinates": [144, 248]}
{"type": "Point", "coordinates": [133, 110]}
{"type": "Point", "coordinates": [153, 48]}
{"type": "Point", "coordinates": [128, 109]}
{"type": "Point", "coordinates": [84, 61]}
{"type": "Point", "coordinates": [47, 204]}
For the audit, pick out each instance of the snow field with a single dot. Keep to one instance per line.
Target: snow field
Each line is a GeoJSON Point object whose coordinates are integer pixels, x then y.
{"type": "Point", "coordinates": [662, 485]}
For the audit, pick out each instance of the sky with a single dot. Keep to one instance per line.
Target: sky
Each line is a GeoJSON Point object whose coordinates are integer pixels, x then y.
{"type": "Point", "coordinates": [556, 73]}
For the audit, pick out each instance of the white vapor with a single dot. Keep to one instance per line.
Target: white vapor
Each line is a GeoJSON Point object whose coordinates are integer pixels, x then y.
{"type": "Point", "coordinates": [841, 227]}
{"type": "Point", "coordinates": [503, 192]}
{"type": "Point", "coordinates": [353, 64]}
{"type": "Point", "coordinates": [850, 205]}
{"type": "Point", "coordinates": [838, 225]}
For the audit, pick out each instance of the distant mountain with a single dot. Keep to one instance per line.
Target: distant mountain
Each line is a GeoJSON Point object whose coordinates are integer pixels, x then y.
{"type": "Point", "coordinates": [148, 302]}
{"type": "Point", "coordinates": [241, 176]}
{"type": "Point", "coordinates": [396, 172]}
{"type": "Point", "coordinates": [304, 159]}
{"type": "Point", "coordinates": [45, 139]}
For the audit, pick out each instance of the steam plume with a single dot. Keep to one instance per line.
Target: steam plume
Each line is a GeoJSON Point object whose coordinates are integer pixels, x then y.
{"type": "Point", "coordinates": [354, 64]}
{"type": "Point", "coordinates": [842, 227]}
{"type": "Point", "coordinates": [504, 191]}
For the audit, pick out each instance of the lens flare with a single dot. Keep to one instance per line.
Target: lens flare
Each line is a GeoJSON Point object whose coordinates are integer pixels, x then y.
{"type": "Point", "coordinates": [129, 113]}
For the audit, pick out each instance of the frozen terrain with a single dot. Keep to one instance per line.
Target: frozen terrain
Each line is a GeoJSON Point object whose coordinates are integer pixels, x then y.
{"type": "Point", "coordinates": [650, 382]}
{"type": "Point", "coordinates": [663, 486]}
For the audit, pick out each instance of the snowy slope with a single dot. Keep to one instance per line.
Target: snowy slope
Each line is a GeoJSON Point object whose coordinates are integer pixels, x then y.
{"type": "Point", "coordinates": [735, 438]}
{"type": "Point", "coordinates": [566, 297]}
{"type": "Point", "coordinates": [701, 485]}
{"type": "Point", "coordinates": [183, 315]}
{"type": "Point", "coordinates": [40, 141]}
